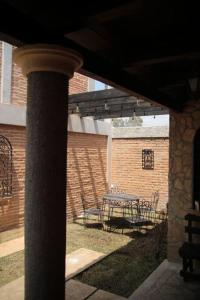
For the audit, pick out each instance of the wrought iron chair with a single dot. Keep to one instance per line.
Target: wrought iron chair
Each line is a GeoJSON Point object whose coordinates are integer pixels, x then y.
{"type": "Point", "coordinates": [114, 190]}
{"type": "Point", "coordinates": [155, 199]}
{"type": "Point", "coordinates": [97, 212]}
{"type": "Point", "coordinates": [140, 214]}
{"type": "Point", "coordinates": [150, 205]}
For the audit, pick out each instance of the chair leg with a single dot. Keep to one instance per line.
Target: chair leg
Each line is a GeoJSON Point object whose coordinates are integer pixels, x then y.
{"type": "Point", "coordinates": [185, 264]}
{"type": "Point", "coordinates": [191, 267]}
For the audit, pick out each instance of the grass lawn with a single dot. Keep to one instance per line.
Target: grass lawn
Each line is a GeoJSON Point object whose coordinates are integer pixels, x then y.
{"type": "Point", "coordinates": [125, 269]}
{"type": "Point", "coordinates": [133, 257]}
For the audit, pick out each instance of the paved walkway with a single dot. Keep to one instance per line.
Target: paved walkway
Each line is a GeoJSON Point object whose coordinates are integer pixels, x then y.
{"type": "Point", "coordinates": [165, 283]}
{"type": "Point", "coordinates": [75, 290]}
{"type": "Point", "coordinates": [76, 262]}
{"type": "Point", "coordinates": [11, 246]}
{"type": "Point", "coordinates": [81, 259]}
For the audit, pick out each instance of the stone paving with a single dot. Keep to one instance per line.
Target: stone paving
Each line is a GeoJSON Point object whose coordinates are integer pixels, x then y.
{"type": "Point", "coordinates": [75, 290]}
{"type": "Point", "coordinates": [165, 283]}
{"type": "Point", "coordinates": [11, 246]}
{"type": "Point", "coordinates": [81, 259]}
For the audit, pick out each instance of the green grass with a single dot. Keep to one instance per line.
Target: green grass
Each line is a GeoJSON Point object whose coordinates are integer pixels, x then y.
{"type": "Point", "coordinates": [11, 267]}
{"type": "Point", "coordinates": [94, 239]}
{"type": "Point", "coordinates": [125, 269]}
{"type": "Point", "coordinates": [135, 256]}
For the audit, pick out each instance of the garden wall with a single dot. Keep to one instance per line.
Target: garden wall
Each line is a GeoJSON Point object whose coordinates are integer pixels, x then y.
{"type": "Point", "coordinates": [127, 171]}
{"type": "Point", "coordinates": [86, 173]}
{"type": "Point", "coordinates": [87, 151]}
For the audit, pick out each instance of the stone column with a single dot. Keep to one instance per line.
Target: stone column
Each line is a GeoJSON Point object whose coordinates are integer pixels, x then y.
{"type": "Point", "coordinates": [48, 69]}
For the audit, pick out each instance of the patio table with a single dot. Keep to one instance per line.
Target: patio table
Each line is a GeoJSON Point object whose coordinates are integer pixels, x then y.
{"type": "Point", "coordinates": [124, 201]}
{"type": "Point", "coordinates": [121, 200]}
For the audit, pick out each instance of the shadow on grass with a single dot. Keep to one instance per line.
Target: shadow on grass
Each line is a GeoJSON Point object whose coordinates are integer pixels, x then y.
{"type": "Point", "coordinates": [125, 269]}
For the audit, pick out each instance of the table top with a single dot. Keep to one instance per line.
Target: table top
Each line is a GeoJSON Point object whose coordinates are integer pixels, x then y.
{"type": "Point", "coordinates": [120, 197]}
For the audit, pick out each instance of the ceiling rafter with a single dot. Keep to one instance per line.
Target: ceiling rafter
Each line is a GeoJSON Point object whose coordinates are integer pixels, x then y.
{"type": "Point", "coordinates": [111, 103]}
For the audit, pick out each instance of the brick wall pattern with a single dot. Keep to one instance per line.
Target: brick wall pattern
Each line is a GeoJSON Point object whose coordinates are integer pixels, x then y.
{"type": "Point", "coordinates": [127, 171]}
{"type": "Point", "coordinates": [86, 172]}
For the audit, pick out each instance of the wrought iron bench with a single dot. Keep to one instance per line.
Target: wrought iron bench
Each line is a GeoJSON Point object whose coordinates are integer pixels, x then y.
{"type": "Point", "coordinates": [190, 250]}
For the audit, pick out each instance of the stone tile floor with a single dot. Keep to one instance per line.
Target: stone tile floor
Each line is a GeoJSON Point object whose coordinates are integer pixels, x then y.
{"type": "Point", "coordinates": [165, 283]}
{"type": "Point", "coordinates": [11, 246]}
{"type": "Point", "coordinates": [81, 259]}
{"type": "Point", "coordinates": [75, 290]}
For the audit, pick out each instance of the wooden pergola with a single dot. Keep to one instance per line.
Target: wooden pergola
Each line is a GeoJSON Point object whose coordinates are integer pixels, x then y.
{"type": "Point", "coordinates": [112, 103]}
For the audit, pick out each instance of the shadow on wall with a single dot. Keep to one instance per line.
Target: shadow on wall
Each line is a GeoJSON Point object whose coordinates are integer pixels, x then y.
{"type": "Point", "coordinates": [86, 173]}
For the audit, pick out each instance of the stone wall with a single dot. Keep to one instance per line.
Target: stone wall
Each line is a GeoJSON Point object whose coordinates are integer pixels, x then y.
{"type": "Point", "coordinates": [183, 127]}
{"type": "Point", "coordinates": [127, 171]}
{"type": "Point", "coordinates": [86, 173]}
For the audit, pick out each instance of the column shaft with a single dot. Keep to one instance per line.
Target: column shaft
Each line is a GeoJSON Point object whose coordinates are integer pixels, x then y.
{"type": "Point", "coordinates": [45, 186]}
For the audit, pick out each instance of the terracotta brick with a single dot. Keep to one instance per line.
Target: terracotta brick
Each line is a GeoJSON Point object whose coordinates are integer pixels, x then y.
{"type": "Point", "coordinates": [86, 173]}
{"type": "Point", "coordinates": [127, 171]}
{"type": "Point", "coordinates": [78, 84]}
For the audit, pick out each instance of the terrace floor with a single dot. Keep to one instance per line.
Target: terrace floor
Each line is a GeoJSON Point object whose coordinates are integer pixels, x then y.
{"type": "Point", "coordinates": [165, 283]}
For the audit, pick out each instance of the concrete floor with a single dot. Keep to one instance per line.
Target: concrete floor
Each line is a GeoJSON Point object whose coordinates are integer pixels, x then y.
{"type": "Point", "coordinates": [11, 246]}
{"type": "Point", "coordinates": [165, 283]}
{"type": "Point", "coordinates": [74, 290]}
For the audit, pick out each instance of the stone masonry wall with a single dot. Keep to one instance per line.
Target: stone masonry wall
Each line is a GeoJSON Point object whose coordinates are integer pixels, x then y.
{"type": "Point", "coordinates": [86, 172]}
{"type": "Point", "coordinates": [127, 171]}
{"type": "Point", "coordinates": [183, 127]}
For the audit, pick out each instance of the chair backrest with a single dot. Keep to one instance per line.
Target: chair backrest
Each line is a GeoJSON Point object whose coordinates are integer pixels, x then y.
{"type": "Point", "coordinates": [145, 209]}
{"type": "Point", "coordinates": [192, 229]}
{"type": "Point", "coordinates": [155, 199]}
{"type": "Point", "coordinates": [85, 204]}
{"type": "Point", "coordinates": [116, 190]}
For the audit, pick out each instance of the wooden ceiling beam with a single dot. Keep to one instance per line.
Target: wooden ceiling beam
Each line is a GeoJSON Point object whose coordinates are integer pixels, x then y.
{"type": "Point", "coordinates": [112, 108]}
{"type": "Point", "coordinates": [126, 113]}
{"type": "Point", "coordinates": [98, 96]}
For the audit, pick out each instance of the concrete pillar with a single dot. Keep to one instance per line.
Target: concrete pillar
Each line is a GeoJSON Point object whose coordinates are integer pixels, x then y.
{"type": "Point", "coordinates": [48, 69]}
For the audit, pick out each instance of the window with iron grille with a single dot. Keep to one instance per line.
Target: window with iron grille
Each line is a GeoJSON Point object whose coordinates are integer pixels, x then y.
{"type": "Point", "coordinates": [148, 159]}
{"type": "Point", "coordinates": [5, 167]}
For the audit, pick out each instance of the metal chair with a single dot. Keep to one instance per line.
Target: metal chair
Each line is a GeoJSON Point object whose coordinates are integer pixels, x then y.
{"type": "Point", "coordinates": [140, 215]}
{"type": "Point", "coordinates": [94, 212]}
{"type": "Point", "coordinates": [150, 206]}
{"type": "Point", "coordinates": [155, 199]}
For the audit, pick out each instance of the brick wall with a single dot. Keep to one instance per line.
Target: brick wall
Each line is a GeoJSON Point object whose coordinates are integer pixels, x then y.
{"type": "Point", "coordinates": [127, 172]}
{"type": "Point", "coordinates": [11, 209]}
{"type": "Point", "coordinates": [78, 84]}
{"type": "Point", "coordinates": [86, 173]}
{"type": "Point", "coordinates": [0, 64]}
{"type": "Point", "coordinates": [19, 86]}
{"type": "Point", "coordinates": [87, 155]}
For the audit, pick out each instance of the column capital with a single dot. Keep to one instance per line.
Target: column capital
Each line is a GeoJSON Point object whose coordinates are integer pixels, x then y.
{"type": "Point", "coordinates": [47, 57]}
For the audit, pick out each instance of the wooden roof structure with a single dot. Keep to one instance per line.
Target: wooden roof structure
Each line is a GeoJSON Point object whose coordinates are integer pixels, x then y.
{"type": "Point", "coordinates": [112, 103]}
{"type": "Point", "coordinates": [146, 48]}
